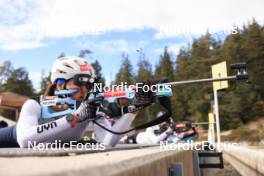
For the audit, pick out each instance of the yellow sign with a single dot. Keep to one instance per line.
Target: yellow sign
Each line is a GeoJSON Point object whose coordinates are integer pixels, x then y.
{"type": "Point", "coordinates": [219, 71]}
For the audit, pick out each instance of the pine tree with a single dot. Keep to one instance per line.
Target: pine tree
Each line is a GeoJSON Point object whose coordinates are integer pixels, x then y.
{"type": "Point", "coordinates": [45, 82]}
{"type": "Point", "coordinates": [180, 94]}
{"type": "Point", "coordinates": [98, 71]}
{"type": "Point", "coordinates": [144, 70]}
{"type": "Point", "coordinates": [125, 73]}
{"type": "Point", "coordinates": [165, 68]}
{"type": "Point", "coordinates": [19, 82]}
{"type": "Point", "coordinates": [247, 46]}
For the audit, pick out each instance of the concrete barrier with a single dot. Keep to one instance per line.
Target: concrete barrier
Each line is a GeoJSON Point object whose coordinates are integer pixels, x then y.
{"type": "Point", "coordinates": [246, 160]}
{"type": "Point", "coordinates": [141, 162]}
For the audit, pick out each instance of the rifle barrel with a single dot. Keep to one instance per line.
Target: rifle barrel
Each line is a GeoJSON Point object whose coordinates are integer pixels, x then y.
{"type": "Point", "coordinates": [200, 81]}
{"type": "Point", "coordinates": [202, 123]}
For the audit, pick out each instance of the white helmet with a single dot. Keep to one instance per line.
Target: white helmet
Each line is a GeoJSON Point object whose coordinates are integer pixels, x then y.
{"type": "Point", "coordinates": [69, 66]}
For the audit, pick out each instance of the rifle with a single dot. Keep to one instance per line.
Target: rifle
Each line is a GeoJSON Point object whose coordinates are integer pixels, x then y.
{"type": "Point", "coordinates": [62, 97]}
{"type": "Point", "coordinates": [102, 98]}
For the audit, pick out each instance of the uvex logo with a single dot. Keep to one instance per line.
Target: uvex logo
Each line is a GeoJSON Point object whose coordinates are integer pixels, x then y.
{"type": "Point", "coordinates": [46, 126]}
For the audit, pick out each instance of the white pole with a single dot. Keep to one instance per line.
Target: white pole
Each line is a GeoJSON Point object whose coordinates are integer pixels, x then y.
{"type": "Point", "coordinates": [216, 112]}
{"type": "Point", "coordinates": [213, 133]}
{"type": "Point", "coordinates": [211, 126]}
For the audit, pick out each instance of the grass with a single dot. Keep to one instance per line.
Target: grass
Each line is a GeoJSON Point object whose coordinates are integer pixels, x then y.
{"type": "Point", "coordinates": [245, 134]}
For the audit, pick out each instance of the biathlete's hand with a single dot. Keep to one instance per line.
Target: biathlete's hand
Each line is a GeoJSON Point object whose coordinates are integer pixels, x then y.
{"type": "Point", "coordinates": [169, 131]}
{"type": "Point", "coordinates": [113, 110]}
{"type": "Point", "coordinates": [87, 110]}
{"type": "Point", "coordinates": [143, 96]}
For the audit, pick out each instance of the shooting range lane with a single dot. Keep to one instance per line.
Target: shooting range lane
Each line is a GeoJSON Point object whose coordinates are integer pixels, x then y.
{"type": "Point", "coordinates": [143, 161]}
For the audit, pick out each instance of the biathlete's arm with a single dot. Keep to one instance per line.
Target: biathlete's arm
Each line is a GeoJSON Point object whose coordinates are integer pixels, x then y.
{"type": "Point", "coordinates": [110, 139]}
{"type": "Point", "coordinates": [29, 131]}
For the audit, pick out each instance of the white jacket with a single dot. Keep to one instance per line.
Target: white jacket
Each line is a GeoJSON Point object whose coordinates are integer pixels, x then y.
{"type": "Point", "coordinates": [28, 129]}
{"type": "Point", "coordinates": [149, 137]}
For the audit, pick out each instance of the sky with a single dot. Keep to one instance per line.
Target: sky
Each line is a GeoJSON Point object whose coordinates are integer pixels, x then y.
{"type": "Point", "coordinates": [34, 32]}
